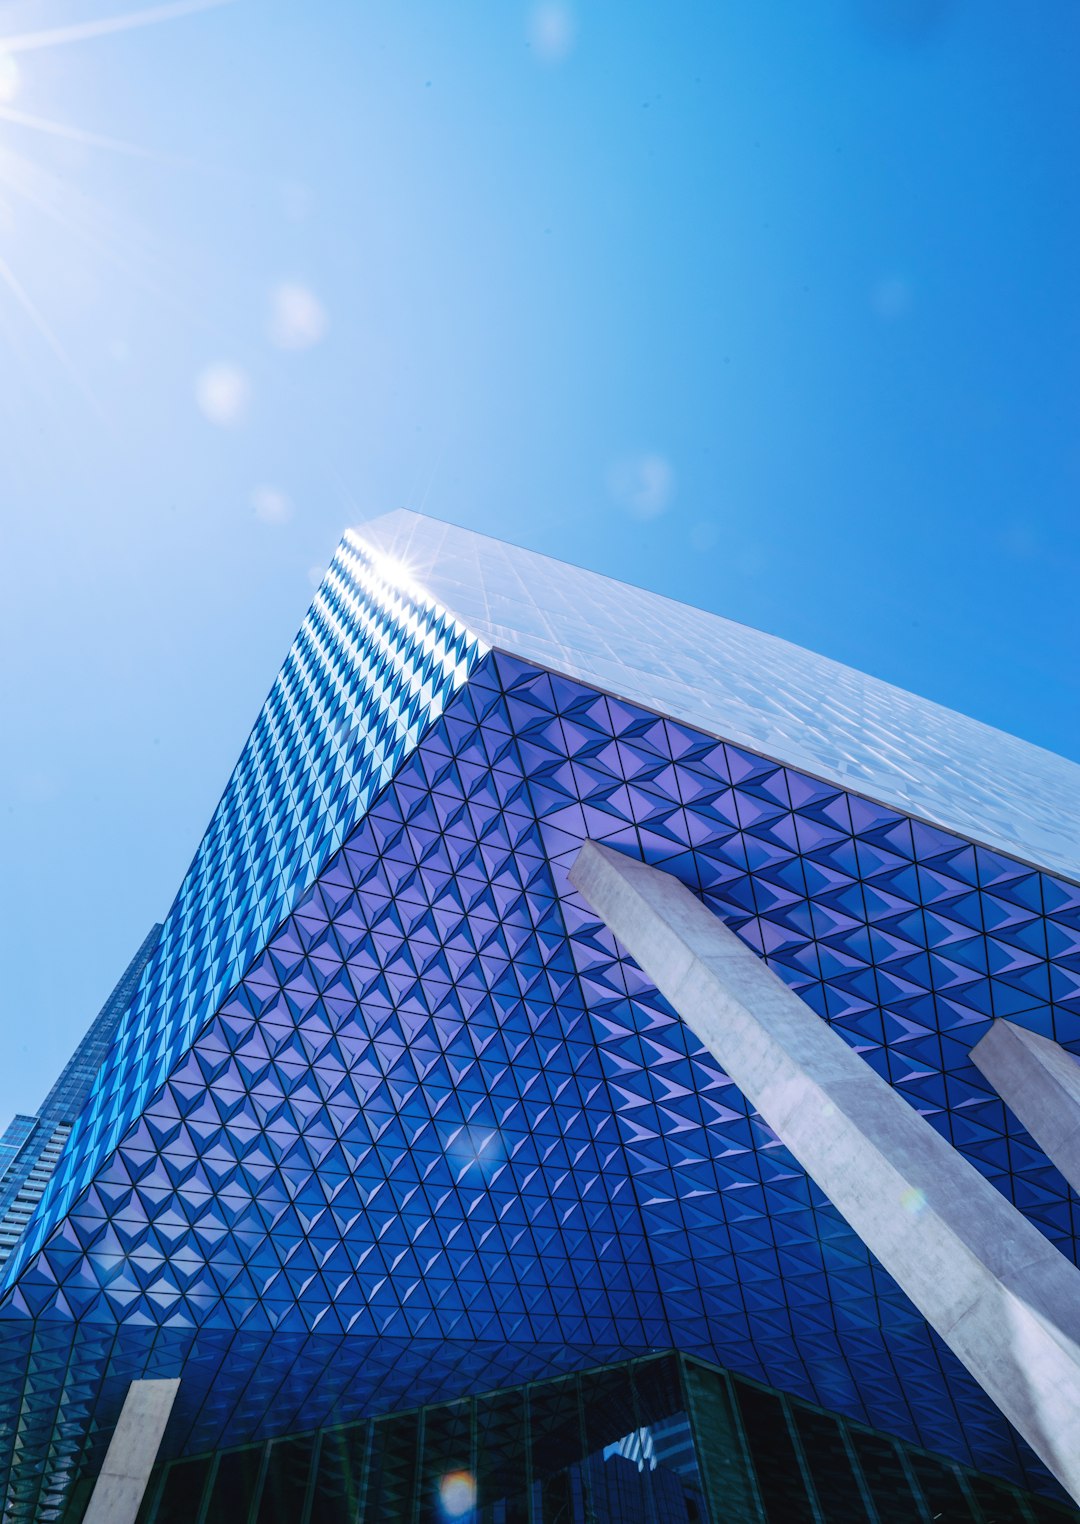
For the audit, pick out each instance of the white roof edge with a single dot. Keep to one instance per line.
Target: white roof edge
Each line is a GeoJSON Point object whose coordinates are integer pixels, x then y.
{"type": "Point", "coordinates": [755, 690]}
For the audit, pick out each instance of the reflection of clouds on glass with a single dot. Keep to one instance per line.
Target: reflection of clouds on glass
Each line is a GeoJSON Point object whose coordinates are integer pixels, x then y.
{"type": "Point", "coordinates": [552, 31]}
{"type": "Point", "coordinates": [10, 77]}
{"type": "Point", "coordinates": [271, 505]}
{"type": "Point", "coordinates": [297, 317]}
{"type": "Point", "coordinates": [642, 484]}
{"type": "Point", "coordinates": [891, 297]}
{"type": "Point", "coordinates": [223, 393]}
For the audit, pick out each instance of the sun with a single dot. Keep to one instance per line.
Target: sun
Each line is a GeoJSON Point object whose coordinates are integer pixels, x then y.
{"type": "Point", "coordinates": [23, 179]}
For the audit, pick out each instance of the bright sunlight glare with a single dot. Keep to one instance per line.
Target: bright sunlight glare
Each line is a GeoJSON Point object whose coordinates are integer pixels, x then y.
{"type": "Point", "coordinates": [60, 201]}
{"type": "Point", "coordinates": [53, 37]}
{"type": "Point", "coordinates": [10, 77]}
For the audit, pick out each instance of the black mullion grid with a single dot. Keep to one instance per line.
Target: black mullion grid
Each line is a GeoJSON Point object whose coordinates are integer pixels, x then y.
{"type": "Point", "coordinates": [800, 1458]}
{"type": "Point", "coordinates": [737, 1426]}
{"type": "Point", "coordinates": [865, 1495]}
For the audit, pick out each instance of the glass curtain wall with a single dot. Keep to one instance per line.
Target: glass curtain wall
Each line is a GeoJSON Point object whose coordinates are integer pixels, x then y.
{"type": "Point", "coordinates": [660, 1440]}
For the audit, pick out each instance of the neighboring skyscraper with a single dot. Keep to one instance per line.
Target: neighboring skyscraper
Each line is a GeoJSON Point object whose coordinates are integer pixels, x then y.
{"type": "Point", "coordinates": [31, 1145]}
{"type": "Point", "coordinates": [391, 1120]}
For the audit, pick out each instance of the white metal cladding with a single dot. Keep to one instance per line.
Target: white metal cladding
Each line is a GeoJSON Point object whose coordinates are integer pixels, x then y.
{"type": "Point", "coordinates": [750, 688]}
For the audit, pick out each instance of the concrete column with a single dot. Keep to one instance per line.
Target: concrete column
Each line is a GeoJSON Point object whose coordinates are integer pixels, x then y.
{"type": "Point", "coordinates": [999, 1294]}
{"type": "Point", "coordinates": [132, 1451]}
{"type": "Point", "coordinates": [1039, 1081]}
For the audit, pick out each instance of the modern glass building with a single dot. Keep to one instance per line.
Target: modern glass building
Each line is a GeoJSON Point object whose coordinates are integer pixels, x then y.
{"type": "Point", "coordinates": [31, 1145]}
{"type": "Point", "coordinates": [438, 1208]}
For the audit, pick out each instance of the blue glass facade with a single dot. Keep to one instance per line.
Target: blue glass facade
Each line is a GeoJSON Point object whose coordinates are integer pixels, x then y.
{"type": "Point", "coordinates": [31, 1146]}
{"type": "Point", "coordinates": [369, 668]}
{"type": "Point", "coordinates": [392, 1119]}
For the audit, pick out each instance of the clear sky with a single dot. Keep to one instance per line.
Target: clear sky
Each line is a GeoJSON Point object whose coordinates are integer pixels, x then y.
{"type": "Point", "coordinates": [771, 305]}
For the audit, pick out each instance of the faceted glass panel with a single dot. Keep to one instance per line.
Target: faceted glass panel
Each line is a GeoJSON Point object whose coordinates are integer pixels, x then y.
{"type": "Point", "coordinates": [391, 1117]}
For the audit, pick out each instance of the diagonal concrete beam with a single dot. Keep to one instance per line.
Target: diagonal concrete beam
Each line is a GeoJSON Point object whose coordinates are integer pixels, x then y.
{"type": "Point", "coordinates": [999, 1294]}
{"type": "Point", "coordinates": [1039, 1081]}
{"type": "Point", "coordinates": [129, 1460]}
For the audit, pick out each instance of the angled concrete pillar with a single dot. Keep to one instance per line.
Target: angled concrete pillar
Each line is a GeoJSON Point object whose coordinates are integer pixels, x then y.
{"type": "Point", "coordinates": [1039, 1081]}
{"type": "Point", "coordinates": [999, 1294]}
{"type": "Point", "coordinates": [132, 1451]}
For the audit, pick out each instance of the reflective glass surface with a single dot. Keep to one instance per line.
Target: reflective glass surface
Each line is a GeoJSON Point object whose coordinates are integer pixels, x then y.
{"type": "Point", "coordinates": [392, 1120]}
{"type": "Point", "coordinates": [662, 1440]}
{"type": "Point", "coordinates": [370, 667]}
{"type": "Point", "coordinates": [750, 688]}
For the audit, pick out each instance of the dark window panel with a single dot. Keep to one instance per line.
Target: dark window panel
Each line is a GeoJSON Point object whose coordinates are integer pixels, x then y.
{"type": "Point", "coordinates": [942, 1490]}
{"type": "Point", "coordinates": [554, 1427]}
{"type": "Point", "coordinates": [393, 1473]}
{"type": "Point", "coordinates": [557, 1499]}
{"type": "Point", "coordinates": [723, 1466]}
{"type": "Point", "coordinates": [885, 1477]}
{"type": "Point", "coordinates": [448, 1489]}
{"type": "Point", "coordinates": [999, 1503]}
{"type": "Point", "coordinates": [234, 1485]}
{"type": "Point", "coordinates": [1043, 1511]}
{"type": "Point", "coordinates": [182, 1493]}
{"type": "Point", "coordinates": [779, 1479]}
{"type": "Point", "coordinates": [284, 1488]}
{"type": "Point", "coordinates": [830, 1468]}
{"type": "Point", "coordinates": [501, 1458]}
{"type": "Point", "coordinates": [339, 1475]}
{"type": "Point", "coordinates": [607, 1402]}
{"type": "Point", "coordinates": [658, 1390]}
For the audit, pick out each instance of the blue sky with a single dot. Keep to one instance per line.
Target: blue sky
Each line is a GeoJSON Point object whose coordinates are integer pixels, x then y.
{"type": "Point", "coordinates": [771, 305]}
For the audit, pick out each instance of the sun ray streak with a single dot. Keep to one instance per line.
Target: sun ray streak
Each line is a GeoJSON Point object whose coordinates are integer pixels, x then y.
{"type": "Point", "coordinates": [21, 178]}
{"type": "Point", "coordinates": [76, 134]}
{"type": "Point", "coordinates": [82, 31]}
{"type": "Point", "coordinates": [22, 296]}
{"type": "Point", "coordinates": [71, 225]}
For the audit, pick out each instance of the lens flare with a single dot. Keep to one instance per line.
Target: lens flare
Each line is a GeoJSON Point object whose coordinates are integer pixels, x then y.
{"type": "Point", "coordinates": [223, 392]}
{"type": "Point", "coordinates": [271, 505]}
{"type": "Point", "coordinates": [642, 484]}
{"type": "Point", "coordinates": [10, 77]}
{"type": "Point", "coordinates": [457, 1494]}
{"type": "Point", "coordinates": [552, 31]}
{"type": "Point", "coordinates": [913, 1200]}
{"type": "Point", "coordinates": [297, 317]}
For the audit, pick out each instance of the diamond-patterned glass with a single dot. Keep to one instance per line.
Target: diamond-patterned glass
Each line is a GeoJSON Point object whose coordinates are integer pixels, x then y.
{"type": "Point", "coordinates": [393, 1118]}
